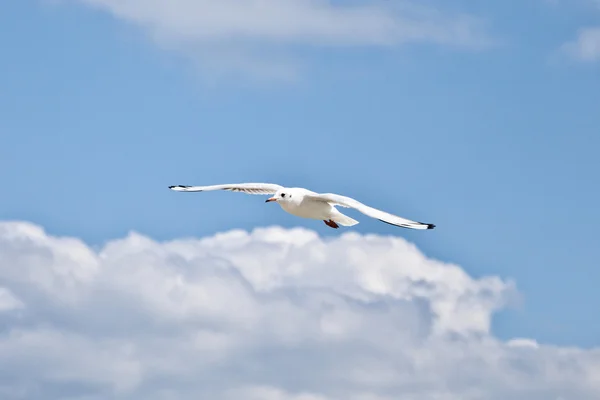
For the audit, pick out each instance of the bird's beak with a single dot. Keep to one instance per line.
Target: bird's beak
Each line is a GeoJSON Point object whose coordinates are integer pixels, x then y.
{"type": "Point", "coordinates": [270, 199]}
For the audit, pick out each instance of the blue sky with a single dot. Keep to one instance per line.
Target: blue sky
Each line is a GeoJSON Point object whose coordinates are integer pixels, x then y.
{"type": "Point", "coordinates": [492, 137]}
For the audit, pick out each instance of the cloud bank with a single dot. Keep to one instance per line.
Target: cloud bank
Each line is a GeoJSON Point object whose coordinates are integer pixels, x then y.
{"type": "Point", "coordinates": [272, 314]}
{"type": "Point", "coordinates": [259, 36]}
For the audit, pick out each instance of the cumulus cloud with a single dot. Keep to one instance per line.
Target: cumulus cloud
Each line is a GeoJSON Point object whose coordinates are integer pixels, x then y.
{"type": "Point", "coordinates": [257, 36]}
{"type": "Point", "coordinates": [271, 314]}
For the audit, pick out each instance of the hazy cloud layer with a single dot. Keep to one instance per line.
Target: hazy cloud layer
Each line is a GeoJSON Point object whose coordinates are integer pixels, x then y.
{"type": "Point", "coordinates": [270, 315]}
{"type": "Point", "coordinates": [258, 36]}
{"type": "Point", "coordinates": [586, 47]}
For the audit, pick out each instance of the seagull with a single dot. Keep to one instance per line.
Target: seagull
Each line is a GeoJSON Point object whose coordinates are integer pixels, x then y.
{"type": "Point", "coordinates": [308, 204]}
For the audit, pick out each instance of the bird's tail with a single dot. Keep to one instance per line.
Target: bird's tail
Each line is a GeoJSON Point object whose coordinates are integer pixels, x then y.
{"type": "Point", "coordinates": [344, 220]}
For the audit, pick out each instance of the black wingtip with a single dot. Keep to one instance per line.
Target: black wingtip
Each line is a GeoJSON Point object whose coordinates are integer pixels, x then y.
{"type": "Point", "coordinates": [429, 226]}
{"type": "Point", "coordinates": [179, 188]}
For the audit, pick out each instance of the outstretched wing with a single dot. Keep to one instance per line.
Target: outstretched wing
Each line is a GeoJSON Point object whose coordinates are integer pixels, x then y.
{"type": "Point", "coordinates": [348, 202]}
{"type": "Point", "coordinates": [250, 188]}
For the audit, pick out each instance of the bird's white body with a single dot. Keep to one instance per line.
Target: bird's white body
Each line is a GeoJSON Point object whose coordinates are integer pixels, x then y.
{"type": "Point", "coordinates": [308, 204]}
{"type": "Point", "coordinates": [301, 205]}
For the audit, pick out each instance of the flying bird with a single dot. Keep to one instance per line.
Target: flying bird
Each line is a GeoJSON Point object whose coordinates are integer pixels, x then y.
{"type": "Point", "coordinates": [308, 204]}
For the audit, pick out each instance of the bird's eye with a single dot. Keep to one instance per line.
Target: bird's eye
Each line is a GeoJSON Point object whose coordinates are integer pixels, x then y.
{"type": "Point", "coordinates": [282, 194]}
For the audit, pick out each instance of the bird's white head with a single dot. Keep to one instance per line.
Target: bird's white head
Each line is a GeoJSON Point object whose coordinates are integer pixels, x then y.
{"type": "Point", "coordinates": [284, 195]}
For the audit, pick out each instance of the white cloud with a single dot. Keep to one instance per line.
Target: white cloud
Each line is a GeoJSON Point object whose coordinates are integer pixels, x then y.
{"type": "Point", "coordinates": [257, 36]}
{"type": "Point", "coordinates": [8, 301]}
{"type": "Point", "coordinates": [523, 342]}
{"type": "Point", "coordinates": [268, 393]}
{"type": "Point", "coordinates": [273, 314]}
{"type": "Point", "coordinates": [586, 47]}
